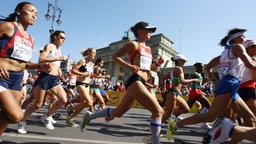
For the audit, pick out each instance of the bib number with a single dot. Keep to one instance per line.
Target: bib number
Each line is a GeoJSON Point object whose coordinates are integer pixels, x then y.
{"type": "Point", "coordinates": [21, 52]}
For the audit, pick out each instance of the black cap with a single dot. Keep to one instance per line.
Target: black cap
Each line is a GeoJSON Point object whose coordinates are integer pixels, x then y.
{"type": "Point", "coordinates": [143, 25]}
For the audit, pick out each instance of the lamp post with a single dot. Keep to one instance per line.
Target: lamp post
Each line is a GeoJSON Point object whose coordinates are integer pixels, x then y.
{"type": "Point", "coordinates": [55, 9]}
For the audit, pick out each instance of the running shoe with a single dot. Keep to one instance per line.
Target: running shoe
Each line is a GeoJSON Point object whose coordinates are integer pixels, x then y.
{"type": "Point", "coordinates": [71, 123]}
{"type": "Point", "coordinates": [46, 103]}
{"type": "Point", "coordinates": [52, 120]}
{"type": "Point", "coordinates": [108, 119]}
{"type": "Point", "coordinates": [69, 111]}
{"type": "Point", "coordinates": [86, 120]}
{"type": "Point", "coordinates": [171, 128]}
{"type": "Point", "coordinates": [220, 131]}
{"type": "Point", "coordinates": [205, 125]}
{"type": "Point", "coordinates": [22, 128]}
{"type": "Point", "coordinates": [56, 115]}
{"type": "Point", "coordinates": [48, 123]}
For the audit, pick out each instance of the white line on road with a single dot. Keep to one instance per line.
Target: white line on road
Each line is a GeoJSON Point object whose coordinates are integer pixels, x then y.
{"type": "Point", "coordinates": [62, 139]}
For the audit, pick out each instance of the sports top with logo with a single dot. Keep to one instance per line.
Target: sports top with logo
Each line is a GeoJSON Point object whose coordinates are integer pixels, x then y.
{"type": "Point", "coordinates": [17, 46]}
{"type": "Point", "coordinates": [145, 57]}
{"type": "Point", "coordinates": [230, 65]}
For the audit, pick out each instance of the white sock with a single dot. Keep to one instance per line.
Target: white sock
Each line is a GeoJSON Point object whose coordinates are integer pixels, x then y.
{"type": "Point", "coordinates": [104, 113]}
{"type": "Point", "coordinates": [155, 127]}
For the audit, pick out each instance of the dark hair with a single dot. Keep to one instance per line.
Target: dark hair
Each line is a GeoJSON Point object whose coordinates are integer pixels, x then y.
{"type": "Point", "coordinates": [198, 64]}
{"type": "Point", "coordinates": [55, 33]}
{"type": "Point", "coordinates": [224, 41]}
{"type": "Point", "coordinates": [12, 16]}
{"type": "Point", "coordinates": [135, 28]}
{"type": "Point", "coordinates": [142, 25]}
{"type": "Point", "coordinates": [98, 60]}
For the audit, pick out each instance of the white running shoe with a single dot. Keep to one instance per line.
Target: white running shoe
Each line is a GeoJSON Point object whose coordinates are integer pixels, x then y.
{"type": "Point", "coordinates": [205, 125]}
{"type": "Point", "coordinates": [52, 120]}
{"type": "Point", "coordinates": [86, 120]}
{"type": "Point", "coordinates": [220, 131]}
{"type": "Point", "coordinates": [22, 128]}
{"type": "Point", "coordinates": [48, 123]}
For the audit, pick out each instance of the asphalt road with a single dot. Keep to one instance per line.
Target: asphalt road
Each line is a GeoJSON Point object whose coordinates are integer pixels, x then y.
{"type": "Point", "coordinates": [130, 129]}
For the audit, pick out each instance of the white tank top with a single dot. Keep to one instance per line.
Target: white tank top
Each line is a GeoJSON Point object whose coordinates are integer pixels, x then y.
{"type": "Point", "coordinates": [230, 65]}
{"type": "Point", "coordinates": [247, 76]}
{"type": "Point", "coordinates": [55, 53]}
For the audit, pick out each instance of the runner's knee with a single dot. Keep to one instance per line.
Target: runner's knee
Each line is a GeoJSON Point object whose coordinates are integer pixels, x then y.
{"type": "Point", "coordinates": [15, 118]}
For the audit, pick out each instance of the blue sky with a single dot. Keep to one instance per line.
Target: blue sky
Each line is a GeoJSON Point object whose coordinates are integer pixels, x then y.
{"type": "Point", "coordinates": [195, 26]}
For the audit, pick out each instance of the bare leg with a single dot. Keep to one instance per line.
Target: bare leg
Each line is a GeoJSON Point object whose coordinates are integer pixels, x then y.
{"type": "Point", "coordinates": [241, 132]}
{"type": "Point", "coordinates": [62, 99]}
{"type": "Point", "coordinates": [243, 110]}
{"type": "Point", "coordinates": [219, 105]}
{"type": "Point", "coordinates": [10, 110]}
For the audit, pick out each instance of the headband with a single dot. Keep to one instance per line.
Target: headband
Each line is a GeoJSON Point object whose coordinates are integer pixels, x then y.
{"type": "Point", "coordinates": [235, 36]}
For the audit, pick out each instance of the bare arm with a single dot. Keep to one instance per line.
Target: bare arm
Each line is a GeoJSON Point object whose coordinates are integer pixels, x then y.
{"type": "Point", "coordinates": [44, 55]}
{"type": "Point", "coordinates": [129, 48]}
{"type": "Point", "coordinates": [208, 68]}
{"type": "Point", "coordinates": [239, 51]}
{"type": "Point", "coordinates": [31, 65]}
{"type": "Point", "coordinates": [75, 69]}
{"type": "Point", "coordinates": [179, 70]}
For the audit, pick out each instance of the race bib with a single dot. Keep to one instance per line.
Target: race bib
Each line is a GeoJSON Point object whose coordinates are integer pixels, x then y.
{"type": "Point", "coordinates": [145, 62]}
{"type": "Point", "coordinates": [223, 69]}
{"type": "Point", "coordinates": [72, 82]}
{"type": "Point", "coordinates": [21, 52]}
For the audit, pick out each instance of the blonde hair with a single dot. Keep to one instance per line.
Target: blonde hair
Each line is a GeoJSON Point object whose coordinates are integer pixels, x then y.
{"type": "Point", "coordinates": [85, 52]}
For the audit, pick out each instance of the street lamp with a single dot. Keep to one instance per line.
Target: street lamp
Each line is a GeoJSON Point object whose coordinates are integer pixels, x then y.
{"type": "Point", "coordinates": [55, 9]}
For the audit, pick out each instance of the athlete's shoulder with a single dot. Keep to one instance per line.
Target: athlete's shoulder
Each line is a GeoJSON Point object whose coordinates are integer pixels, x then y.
{"type": "Point", "coordinates": [6, 29]}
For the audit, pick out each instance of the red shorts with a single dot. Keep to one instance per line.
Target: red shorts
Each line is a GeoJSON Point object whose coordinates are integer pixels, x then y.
{"type": "Point", "coordinates": [194, 93]}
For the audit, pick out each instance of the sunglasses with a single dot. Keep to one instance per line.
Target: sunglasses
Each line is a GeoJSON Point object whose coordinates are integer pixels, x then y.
{"type": "Point", "coordinates": [62, 37]}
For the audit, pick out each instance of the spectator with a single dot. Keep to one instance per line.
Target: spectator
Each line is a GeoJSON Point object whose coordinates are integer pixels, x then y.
{"type": "Point", "coordinates": [121, 87]}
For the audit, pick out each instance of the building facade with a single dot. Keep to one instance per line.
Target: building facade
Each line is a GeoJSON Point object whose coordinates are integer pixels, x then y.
{"type": "Point", "coordinates": [160, 46]}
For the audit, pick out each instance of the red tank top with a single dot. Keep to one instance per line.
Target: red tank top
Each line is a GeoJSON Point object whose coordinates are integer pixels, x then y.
{"type": "Point", "coordinates": [17, 46]}
{"type": "Point", "coordinates": [145, 57]}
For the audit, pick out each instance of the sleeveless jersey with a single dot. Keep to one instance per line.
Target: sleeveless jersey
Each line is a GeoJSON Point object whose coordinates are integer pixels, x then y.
{"type": "Point", "coordinates": [72, 79]}
{"type": "Point", "coordinates": [17, 46]}
{"type": "Point", "coordinates": [145, 57]}
{"type": "Point", "coordinates": [55, 53]}
{"type": "Point", "coordinates": [230, 65]}
{"type": "Point", "coordinates": [197, 84]}
{"type": "Point", "coordinates": [96, 81]}
{"type": "Point", "coordinates": [88, 67]}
